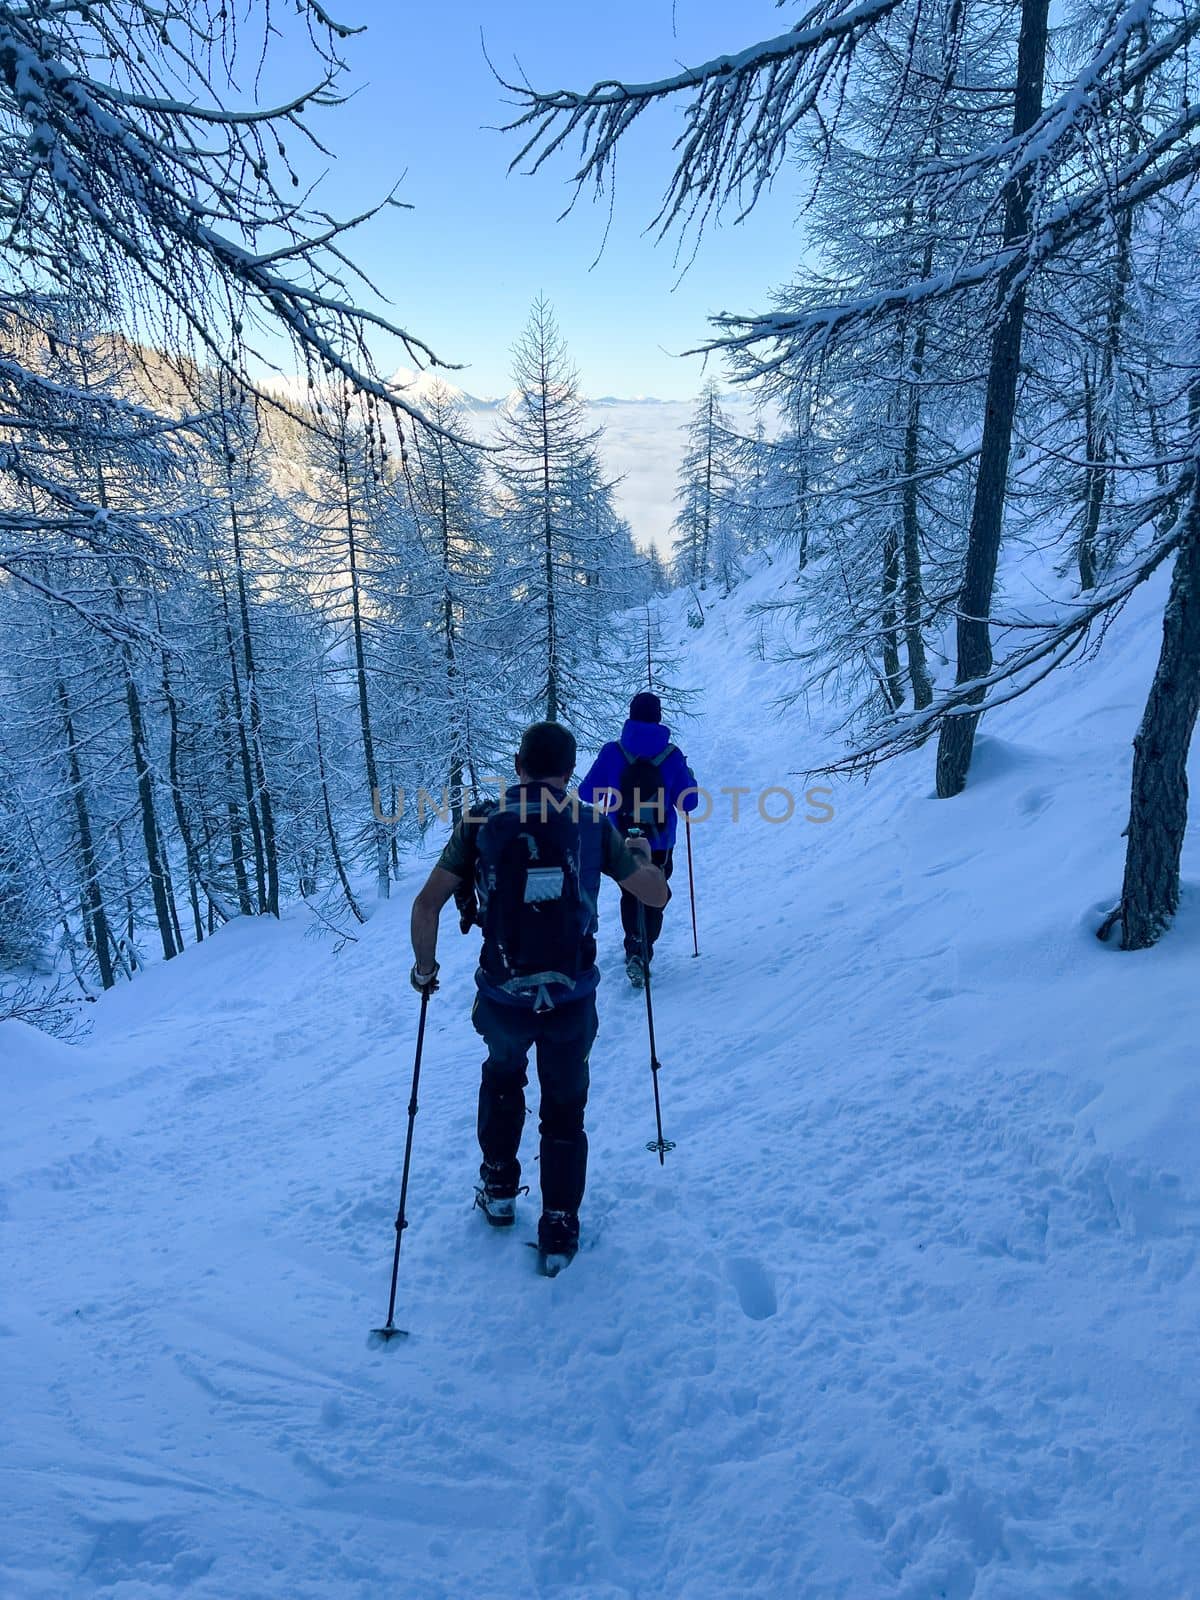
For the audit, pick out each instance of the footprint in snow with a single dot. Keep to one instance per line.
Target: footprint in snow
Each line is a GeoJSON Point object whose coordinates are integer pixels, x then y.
{"type": "Point", "coordinates": [1034, 801]}
{"type": "Point", "coordinates": [755, 1287]}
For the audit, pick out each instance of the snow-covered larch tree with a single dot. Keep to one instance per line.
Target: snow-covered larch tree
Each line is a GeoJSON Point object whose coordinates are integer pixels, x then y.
{"type": "Point", "coordinates": [564, 643]}
{"type": "Point", "coordinates": [704, 492]}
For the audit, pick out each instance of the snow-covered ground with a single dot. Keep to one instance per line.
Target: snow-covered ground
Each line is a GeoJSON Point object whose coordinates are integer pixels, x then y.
{"type": "Point", "coordinates": [912, 1309]}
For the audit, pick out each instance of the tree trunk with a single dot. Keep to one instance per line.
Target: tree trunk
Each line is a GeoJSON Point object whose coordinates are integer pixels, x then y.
{"type": "Point", "coordinates": [1159, 798]}
{"type": "Point", "coordinates": [236, 845]}
{"type": "Point", "coordinates": [126, 951]}
{"type": "Point", "coordinates": [156, 864]}
{"type": "Point", "coordinates": [95, 916]}
{"type": "Point", "coordinates": [708, 474]}
{"type": "Point", "coordinates": [244, 758]}
{"type": "Point", "coordinates": [382, 871]}
{"type": "Point", "coordinates": [182, 821]}
{"type": "Point", "coordinates": [1101, 444]}
{"type": "Point", "coordinates": [893, 683]}
{"type": "Point", "coordinates": [957, 739]}
{"type": "Point", "coordinates": [330, 830]}
{"type": "Point", "coordinates": [918, 668]}
{"type": "Point", "coordinates": [548, 538]}
{"type": "Point", "coordinates": [164, 856]}
{"type": "Point", "coordinates": [150, 834]}
{"type": "Point", "coordinates": [1094, 481]}
{"type": "Point", "coordinates": [453, 693]}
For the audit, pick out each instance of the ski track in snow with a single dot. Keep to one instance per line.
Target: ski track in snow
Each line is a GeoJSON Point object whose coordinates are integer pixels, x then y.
{"type": "Point", "coordinates": [911, 1310]}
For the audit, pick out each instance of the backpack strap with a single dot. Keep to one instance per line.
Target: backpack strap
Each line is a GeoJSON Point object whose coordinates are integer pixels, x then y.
{"type": "Point", "coordinates": [466, 895]}
{"type": "Point", "coordinates": [476, 818]}
{"type": "Point", "coordinates": [655, 761]}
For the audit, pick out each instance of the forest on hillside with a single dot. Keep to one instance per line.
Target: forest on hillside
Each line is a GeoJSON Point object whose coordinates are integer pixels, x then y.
{"type": "Point", "coordinates": [244, 609]}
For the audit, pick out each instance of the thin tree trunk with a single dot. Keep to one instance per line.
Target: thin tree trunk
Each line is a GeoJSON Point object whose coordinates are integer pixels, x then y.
{"type": "Point", "coordinates": [156, 864]}
{"type": "Point", "coordinates": [96, 917]}
{"type": "Point", "coordinates": [382, 871]}
{"type": "Point", "coordinates": [914, 589]}
{"type": "Point", "coordinates": [126, 951]}
{"type": "Point", "coordinates": [1094, 480]}
{"type": "Point", "coordinates": [802, 499]}
{"type": "Point", "coordinates": [236, 845]}
{"type": "Point", "coordinates": [1101, 442]}
{"type": "Point", "coordinates": [1161, 469]}
{"type": "Point", "coordinates": [803, 427]}
{"type": "Point", "coordinates": [957, 739]}
{"type": "Point", "coordinates": [548, 539]}
{"type": "Point", "coordinates": [238, 852]}
{"type": "Point", "coordinates": [182, 821]}
{"type": "Point", "coordinates": [914, 594]}
{"type": "Point", "coordinates": [150, 835]}
{"type": "Point", "coordinates": [708, 476]}
{"type": "Point", "coordinates": [393, 838]}
{"type": "Point", "coordinates": [893, 683]}
{"type": "Point", "coordinates": [191, 856]}
{"type": "Point", "coordinates": [244, 757]}
{"type": "Point", "coordinates": [455, 774]}
{"type": "Point", "coordinates": [330, 830]}
{"type": "Point", "coordinates": [165, 858]}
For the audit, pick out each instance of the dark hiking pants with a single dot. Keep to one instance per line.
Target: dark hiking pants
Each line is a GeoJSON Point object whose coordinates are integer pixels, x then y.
{"type": "Point", "coordinates": [563, 1037]}
{"type": "Point", "coordinates": [654, 915]}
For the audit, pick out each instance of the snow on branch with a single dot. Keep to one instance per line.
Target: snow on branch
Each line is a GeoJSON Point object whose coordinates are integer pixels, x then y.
{"type": "Point", "coordinates": [745, 113]}
{"type": "Point", "coordinates": [1110, 75]}
{"type": "Point", "coordinates": [1172, 158]}
{"type": "Point", "coordinates": [122, 165]}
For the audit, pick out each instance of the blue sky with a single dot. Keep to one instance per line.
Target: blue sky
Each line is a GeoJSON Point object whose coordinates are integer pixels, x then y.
{"type": "Point", "coordinates": [462, 267]}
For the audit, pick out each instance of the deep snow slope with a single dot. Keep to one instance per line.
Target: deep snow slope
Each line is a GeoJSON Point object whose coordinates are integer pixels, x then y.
{"type": "Point", "coordinates": [912, 1309]}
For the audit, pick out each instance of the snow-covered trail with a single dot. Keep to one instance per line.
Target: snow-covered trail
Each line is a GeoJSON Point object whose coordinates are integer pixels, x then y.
{"type": "Point", "coordinates": [912, 1309]}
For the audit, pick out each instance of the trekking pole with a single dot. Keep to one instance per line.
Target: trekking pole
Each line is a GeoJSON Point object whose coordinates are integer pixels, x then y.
{"type": "Point", "coordinates": [380, 1336]}
{"type": "Point", "coordinates": [687, 825]}
{"type": "Point", "coordinates": [658, 1146]}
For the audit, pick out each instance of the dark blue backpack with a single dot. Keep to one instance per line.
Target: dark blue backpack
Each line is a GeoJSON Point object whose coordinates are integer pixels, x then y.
{"type": "Point", "coordinates": [537, 925]}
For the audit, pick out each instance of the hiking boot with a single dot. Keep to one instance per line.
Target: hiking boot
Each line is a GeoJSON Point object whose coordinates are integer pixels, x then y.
{"type": "Point", "coordinates": [497, 1200]}
{"type": "Point", "coordinates": [558, 1236]}
{"type": "Point", "coordinates": [635, 971]}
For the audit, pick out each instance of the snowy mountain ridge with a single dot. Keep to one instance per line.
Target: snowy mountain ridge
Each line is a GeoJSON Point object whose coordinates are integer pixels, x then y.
{"type": "Point", "coordinates": [417, 383]}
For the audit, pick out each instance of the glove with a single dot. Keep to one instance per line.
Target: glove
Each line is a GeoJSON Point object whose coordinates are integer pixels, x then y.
{"type": "Point", "coordinates": [639, 845]}
{"type": "Point", "coordinates": [424, 982]}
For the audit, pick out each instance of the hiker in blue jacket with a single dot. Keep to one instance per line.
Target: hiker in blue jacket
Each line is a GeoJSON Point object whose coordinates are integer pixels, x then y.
{"type": "Point", "coordinates": [641, 779]}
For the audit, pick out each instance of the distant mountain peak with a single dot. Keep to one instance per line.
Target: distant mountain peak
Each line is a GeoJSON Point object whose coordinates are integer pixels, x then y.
{"type": "Point", "coordinates": [417, 385]}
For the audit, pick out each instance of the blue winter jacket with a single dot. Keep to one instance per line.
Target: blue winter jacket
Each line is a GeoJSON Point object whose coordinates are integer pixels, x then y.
{"type": "Point", "coordinates": [644, 739]}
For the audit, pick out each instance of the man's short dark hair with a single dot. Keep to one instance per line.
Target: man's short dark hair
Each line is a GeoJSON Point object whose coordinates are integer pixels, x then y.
{"type": "Point", "coordinates": [547, 750]}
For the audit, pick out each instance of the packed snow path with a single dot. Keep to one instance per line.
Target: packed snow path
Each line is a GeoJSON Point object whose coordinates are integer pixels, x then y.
{"type": "Point", "coordinates": [912, 1309]}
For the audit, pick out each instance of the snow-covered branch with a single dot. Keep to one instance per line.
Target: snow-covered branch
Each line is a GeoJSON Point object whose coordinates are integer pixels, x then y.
{"type": "Point", "coordinates": [746, 112]}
